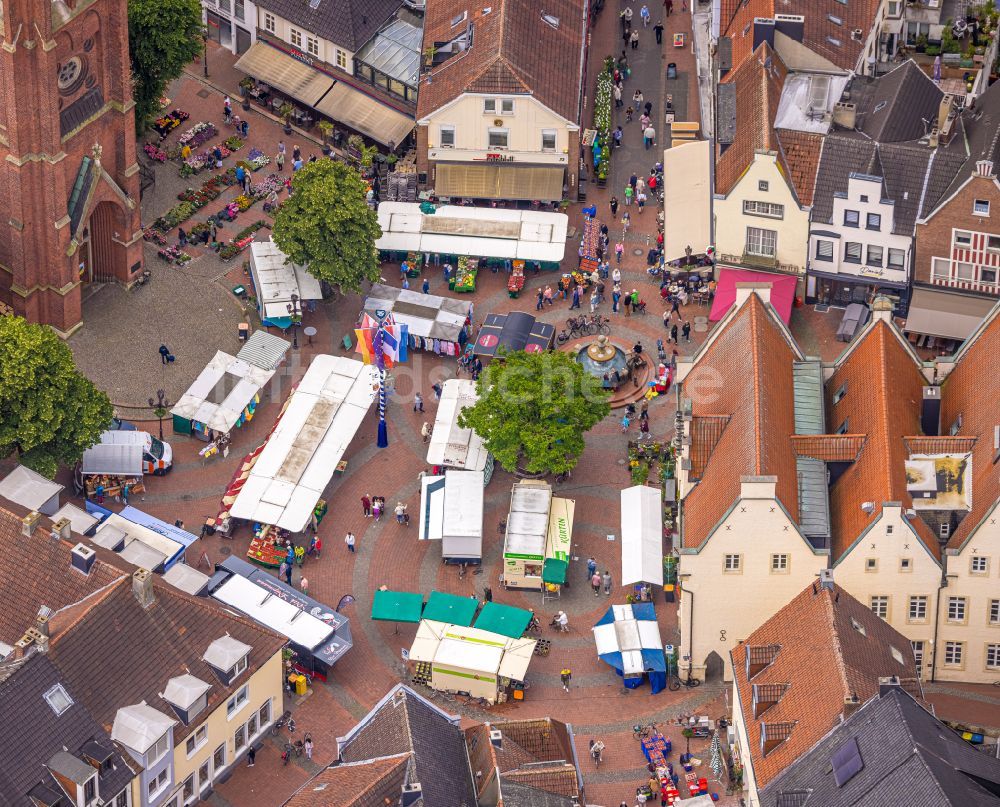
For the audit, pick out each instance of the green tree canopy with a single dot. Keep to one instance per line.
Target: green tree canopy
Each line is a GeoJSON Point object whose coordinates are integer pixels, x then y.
{"type": "Point", "coordinates": [534, 410]}
{"type": "Point", "coordinates": [49, 412]}
{"type": "Point", "coordinates": [163, 36]}
{"type": "Point", "coordinates": [328, 227]}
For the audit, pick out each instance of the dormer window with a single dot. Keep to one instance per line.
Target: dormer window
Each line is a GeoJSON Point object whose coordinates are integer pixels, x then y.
{"type": "Point", "coordinates": [238, 668]}
{"type": "Point", "coordinates": [765, 696]}
{"type": "Point", "coordinates": [774, 734]}
{"type": "Point", "coordinates": [58, 699]}
{"type": "Point", "coordinates": [228, 657]}
{"type": "Point", "coordinates": [90, 790]}
{"type": "Point", "coordinates": [760, 657]}
{"type": "Point", "coordinates": [188, 696]}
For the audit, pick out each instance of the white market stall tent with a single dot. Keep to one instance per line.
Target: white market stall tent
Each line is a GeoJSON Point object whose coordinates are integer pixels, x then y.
{"type": "Point", "coordinates": [451, 446]}
{"type": "Point", "coordinates": [433, 321]}
{"type": "Point", "coordinates": [275, 281]}
{"type": "Point", "coordinates": [320, 419]}
{"type": "Point", "coordinates": [478, 662]}
{"type": "Point", "coordinates": [225, 394]}
{"type": "Point", "coordinates": [530, 235]}
{"type": "Point", "coordinates": [642, 535]}
{"type": "Point", "coordinates": [451, 510]}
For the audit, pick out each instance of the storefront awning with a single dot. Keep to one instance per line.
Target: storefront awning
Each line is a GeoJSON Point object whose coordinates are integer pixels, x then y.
{"type": "Point", "coordinates": [945, 314]}
{"type": "Point", "coordinates": [642, 535]}
{"type": "Point", "coordinates": [366, 115]}
{"type": "Point", "coordinates": [281, 71]}
{"type": "Point", "coordinates": [485, 181]}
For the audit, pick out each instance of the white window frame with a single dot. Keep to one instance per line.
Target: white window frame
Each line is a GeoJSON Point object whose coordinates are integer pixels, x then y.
{"type": "Point", "coordinates": [901, 263]}
{"type": "Point", "coordinates": [269, 23]}
{"type": "Point", "coordinates": [239, 668]}
{"type": "Point", "coordinates": [496, 130]}
{"type": "Point", "coordinates": [759, 240]}
{"type": "Point", "coordinates": [879, 605]}
{"type": "Point", "coordinates": [993, 612]}
{"type": "Point", "coordinates": [981, 207]}
{"type": "Point", "coordinates": [552, 133]}
{"type": "Point", "coordinates": [489, 106]}
{"type": "Point", "coordinates": [940, 269]}
{"type": "Point", "coordinates": [442, 129]}
{"type": "Point", "coordinates": [769, 210]}
{"type": "Point", "coordinates": [237, 745]}
{"type": "Point", "coordinates": [906, 565]}
{"type": "Point", "coordinates": [779, 563]}
{"type": "Point", "coordinates": [295, 37]}
{"type": "Point", "coordinates": [956, 650]}
{"type": "Point", "coordinates": [506, 106]}
{"type": "Point", "coordinates": [196, 740]}
{"type": "Point", "coordinates": [917, 646]}
{"type": "Point", "coordinates": [961, 239]}
{"type": "Point", "coordinates": [194, 789]}
{"type": "Point", "coordinates": [312, 45]}
{"type": "Point", "coordinates": [238, 701]}
{"type": "Point", "coordinates": [979, 560]}
{"type": "Point", "coordinates": [824, 250]}
{"type": "Point", "coordinates": [982, 274]}
{"type": "Point", "coordinates": [217, 769]}
{"type": "Point", "coordinates": [871, 564]}
{"type": "Point", "coordinates": [154, 793]}
{"type": "Point", "coordinates": [993, 650]}
{"type": "Point", "coordinates": [917, 608]}
{"type": "Point", "coordinates": [732, 563]}
{"type": "Point", "coordinates": [341, 59]}
{"type": "Point", "coordinates": [958, 609]}
{"type": "Point", "coordinates": [964, 271]}
{"type": "Point", "coordinates": [123, 799]}
{"type": "Point", "coordinates": [152, 756]}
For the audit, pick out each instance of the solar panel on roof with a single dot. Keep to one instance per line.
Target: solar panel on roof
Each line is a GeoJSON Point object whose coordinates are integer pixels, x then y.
{"type": "Point", "coordinates": [847, 762]}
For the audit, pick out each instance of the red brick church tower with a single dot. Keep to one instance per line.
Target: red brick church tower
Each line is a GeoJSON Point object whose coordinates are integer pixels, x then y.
{"type": "Point", "coordinates": [69, 181]}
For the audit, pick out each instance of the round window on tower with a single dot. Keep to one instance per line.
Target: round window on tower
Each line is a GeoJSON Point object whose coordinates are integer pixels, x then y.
{"type": "Point", "coordinates": [71, 74]}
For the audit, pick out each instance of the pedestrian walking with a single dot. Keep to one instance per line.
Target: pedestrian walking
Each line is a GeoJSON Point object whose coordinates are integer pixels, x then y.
{"type": "Point", "coordinates": [669, 5]}
{"type": "Point", "coordinates": [418, 402]}
{"type": "Point", "coordinates": [376, 509]}
{"type": "Point", "coordinates": [649, 137]}
{"type": "Point", "coordinates": [297, 165]}
{"type": "Point", "coordinates": [626, 422]}
{"type": "Point", "coordinates": [614, 206]}
{"type": "Point", "coordinates": [644, 15]}
{"type": "Point", "coordinates": [279, 160]}
{"type": "Point", "coordinates": [619, 251]}
{"type": "Point", "coordinates": [539, 300]}
{"type": "Point", "coordinates": [349, 541]}
{"type": "Point", "coordinates": [629, 193]}
{"type": "Point", "coordinates": [627, 14]}
{"type": "Point", "coordinates": [400, 511]}
{"type": "Point", "coordinates": [425, 287]}
{"type": "Point", "coordinates": [366, 505]}
{"type": "Point", "coordinates": [182, 236]}
{"type": "Point", "coordinates": [626, 222]}
{"type": "Point", "coordinates": [595, 583]}
{"type": "Point", "coordinates": [227, 112]}
{"type": "Point", "coordinates": [296, 153]}
{"type": "Point", "coordinates": [618, 96]}
{"type": "Point", "coordinates": [591, 567]}
{"type": "Point", "coordinates": [288, 573]}
{"type": "Point", "coordinates": [566, 676]}
{"type": "Point", "coordinates": [576, 298]}
{"type": "Point", "coordinates": [251, 756]}
{"type": "Point", "coordinates": [606, 581]}
{"type": "Point", "coordinates": [633, 182]}
{"type": "Point", "coordinates": [658, 30]}
{"type": "Point", "coordinates": [627, 302]}
{"type": "Point", "coordinates": [307, 743]}
{"type": "Point", "coordinates": [644, 429]}
{"type": "Point", "coordinates": [629, 112]}
{"type": "Point", "coordinates": [618, 134]}
{"type": "Point", "coordinates": [686, 330]}
{"type": "Point", "coordinates": [547, 295]}
{"type": "Point", "coordinates": [594, 300]}
{"type": "Point", "coordinates": [634, 39]}
{"type": "Point", "coordinates": [640, 200]}
{"type": "Point", "coordinates": [304, 585]}
{"type": "Point", "coordinates": [164, 353]}
{"type": "Point", "coordinates": [673, 333]}
{"type": "Point", "coordinates": [446, 271]}
{"type": "Point", "coordinates": [245, 129]}
{"type": "Point", "coordinates": [616, 297]}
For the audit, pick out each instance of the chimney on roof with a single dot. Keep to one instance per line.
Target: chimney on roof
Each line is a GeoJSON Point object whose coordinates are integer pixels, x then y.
{"type": "Point", "coordinates": [930, 411]}
{"type": "Point", "coordinates": [22, 645]}
{"type": "Point", "coordinates": [763, 31]}
{"type": "Point", "coordinates": [62, 529]}
{"type": "Point", "coordinates": [887, 685]}
{"type": "Point", "coordinates": [851, 704]}
{"type": "Point", "coordinates": [39, 639]}
{"type": "Point", "coordinates": [412, 794]}
{"type": "Point", "coordinates": [845, 115]}
{"type": "Point", "coordinates": [42, 624]}
{"type": "Point", "coordinates": [826, 579]}
{"type": "Point", "coordinates": [30, 523]}
{"type": "Point", "coordinates": [984, 168]}
{"type": "Point", "coordinates": [142, 587]}
{"type": "Point", "coordinates": [496, 738]}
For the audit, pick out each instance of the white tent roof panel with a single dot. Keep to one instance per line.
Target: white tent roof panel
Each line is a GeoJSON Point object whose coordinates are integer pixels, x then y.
{"type": "Point", "coordinates": [516, 659]}
{"type": "Point", "coordinates": [425, 643]}
{"type": "Point", "coordinates": [300, 627]}
{"type": "Point", "coordinates": [80, 520]}
{"type": "Point", "coordinates": [431, 509]}
{"type": "Point", "coordinates": [642, 535]}
{"type": "Point", "coordinates": [469, 655]}
{"type": "Point", "coordinates": [450, 444]}
{"type": "Point", "coordinates": [463, 503]}
{"type": "Point", "coordinates": [28, 488]}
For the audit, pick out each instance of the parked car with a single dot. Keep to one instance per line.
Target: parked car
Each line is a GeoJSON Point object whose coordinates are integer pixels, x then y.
{"type": "Point", "coordinates": [119, 425]}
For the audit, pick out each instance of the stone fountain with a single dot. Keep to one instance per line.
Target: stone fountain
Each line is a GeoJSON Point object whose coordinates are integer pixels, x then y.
{"type": "Point", "coordinates": [601, 356]}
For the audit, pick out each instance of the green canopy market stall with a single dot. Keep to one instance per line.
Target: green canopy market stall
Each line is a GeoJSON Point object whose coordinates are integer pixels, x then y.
{"type": "Point", "coordinates": [503, 619]}
{"type": "Point", "coordinates": [397, 606]}
{"type": "Point", "coordinates": [450, 608]}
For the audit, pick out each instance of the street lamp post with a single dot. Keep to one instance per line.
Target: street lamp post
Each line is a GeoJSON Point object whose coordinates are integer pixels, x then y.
{"type": "Point", "coordinates": [160, 404]}
{"type": "Point", "coordinates": [295, 312]}
{"type": "Point", "coordinates": [205, 54]}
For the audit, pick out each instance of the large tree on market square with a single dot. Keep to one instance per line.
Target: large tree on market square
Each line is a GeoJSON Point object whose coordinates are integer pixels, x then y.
{"type": "Point", "coordinates": [163, 37]}
{"type": "Point", "coordinates": [327, 226]}
{"type": "Point", "coordinates": [534, 410]}
{"type": "Point", "coordinates": [49, 411]}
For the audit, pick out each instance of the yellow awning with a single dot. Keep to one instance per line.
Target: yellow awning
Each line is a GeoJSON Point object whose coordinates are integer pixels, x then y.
{"type": "Point", "coordinates": [366, 115]}
{"type": "Point", "coordinates": [281, 71]}
{"type": "Point", "coordinates": [485, 181]}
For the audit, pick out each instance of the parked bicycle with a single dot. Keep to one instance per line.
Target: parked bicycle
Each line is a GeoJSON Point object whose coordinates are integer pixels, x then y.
{"type": "Point", "coordinates": [285, 720]}
{"type": "Point", "coordinates": [640, 732]}
{"type": "Point", "coordinates": [676, 683]}
{"type": "Point", "coordinates": [596, 752]}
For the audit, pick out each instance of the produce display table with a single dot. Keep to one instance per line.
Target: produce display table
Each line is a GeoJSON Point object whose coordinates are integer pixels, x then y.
{"type": "Point", "coordinates": [656, 748]}
{"type": "Point", "coordinates": [415, 261]}
{"type": "Point", "coordinates": [464, 280]}
{"type": "Point", "coordinates": [267, 546]}
{"type": "Point", "coordinates": [516, 280]}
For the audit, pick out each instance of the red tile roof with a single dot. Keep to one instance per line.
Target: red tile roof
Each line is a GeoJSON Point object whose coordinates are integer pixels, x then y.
{"type": "Point", "coordinates": [758, 82]}
{"type": "Point", "coordinates": [801, 152]}
{"type": "Point", "coordinates": [822, 660]}
{"type": "Point", "coordinates": [970, 390]}
{"type": "Point", "coordinates": [754, 350]}
{"type": "Point", "coordinates": [373, 783]}
{"type": "Point", "coordinates": [514, 51]}
{"type": "Point", "coordinates": [882, 401]}
{"type": "Point", "coordinates": [828, 447]}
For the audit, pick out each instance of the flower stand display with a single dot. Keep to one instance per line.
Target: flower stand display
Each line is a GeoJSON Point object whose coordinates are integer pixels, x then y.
{"type": "Point", "coordinates": [465, 275]}
{"type": "Point", "coordinates": [415, 260]}
{"type": "Point", "coordinates": [165, 124]}
{"type": "Point", "coordinates": [516, 280]}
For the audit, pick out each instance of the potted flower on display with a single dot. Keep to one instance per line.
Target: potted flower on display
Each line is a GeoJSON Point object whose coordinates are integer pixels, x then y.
{"type": "Point", "coordinates": [325, 128]}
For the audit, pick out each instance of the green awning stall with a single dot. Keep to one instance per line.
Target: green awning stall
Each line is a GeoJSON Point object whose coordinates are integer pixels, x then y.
{"type": "Point", "coordinates": [450, 608]}
{"type": "Point", "coordinates": [554, 571]}
{"type": "Point", "coordinates": [397, 606]}
{"type": "Point", "coordinates": [503, 619]}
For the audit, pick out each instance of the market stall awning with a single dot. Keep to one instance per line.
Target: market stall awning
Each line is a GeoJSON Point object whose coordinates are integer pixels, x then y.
{"type": "Point", "coordinates": [365, 114]}
{"type": "Point", "coordinates": [113, 460]}
{"type": "Point", "coordinates": [946, 314]}
{"type": "Point", "coordinates": [222, 391]}
{"type": "Point", "coordinates": [397, 606]}
{"type": "Point", "coordinates": [554, 571]}
{"type": "Point", "coordinates": [642, 535]}
{"type": "Point", "coordinates": [628, 639]}
{"type": "Point", "coordinates": [782, 291]}
{"type": "Point", "coordinates": [450, 444]}
{"type": "Point", "coordinates": [264, 350]}
{"type": "Point", "coordinates": [450, 608]}
{"type": "Point", "coordinates": [289, 75]}
{"type": "Point", "coordinates": [486, 181]}
{"type": "Point", "coordinates": [276, 281]}
{"type": "Point", "coordinates": [503, 619]}
{"type": "Point", "coordinates": [425, 315]}
{"type": "Point", "coordinates": [511, 332]}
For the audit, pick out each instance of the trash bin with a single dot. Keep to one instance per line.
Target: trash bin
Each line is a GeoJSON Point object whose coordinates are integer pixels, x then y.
{"type": "Point", "coordinates": [668, 592]}
{"type": "Point", "coordinates": [301, 684]}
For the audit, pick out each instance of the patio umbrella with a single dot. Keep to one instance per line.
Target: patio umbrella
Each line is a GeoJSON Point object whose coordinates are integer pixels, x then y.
{"type": "Point", "coordinates": [450, 608]}
{"type": "Point", "coordinates": [503, 619]}
{"type": "Point", "coordinates": [716, 762]}
{"type": "Point", "coordinates": [397, 606]}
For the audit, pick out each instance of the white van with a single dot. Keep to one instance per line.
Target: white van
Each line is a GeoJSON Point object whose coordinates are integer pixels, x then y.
{"type": "Point", "coordinates": [157, 456]}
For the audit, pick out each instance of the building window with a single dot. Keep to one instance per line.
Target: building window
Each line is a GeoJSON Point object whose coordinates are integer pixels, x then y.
{"type": "Point", "coordinates": [838, 396]}
{"type": "Point", "coordinates": [264, 713]}
{"type": "Point", "coordinates": [893, 10]}
{"type": "Point", "coordinates": [762, 185]}
{"type": "Point", "coordinates": [498, 138]}
{"type": "Point", "coordinates": [963, 238]}
{"type": "Point", "coordinates": [188, 793]}
{"type": "Point", "coordinates": [918, 609]}
{"type": "Point", "coordinates": [940, 269]}
{"type": "Point", "coordinates": [90, 790]}
{"type": "Point", "coordinates": [732, 563]}
{"type": "Point", "coordinates": [842, 429]}
{"type": "Point", "coordinates": [295, 37]}
{"type": "Point", "coordinates": [506, 106]}
{"type": "Point", "coordinates": [158, 783]}
{"type": "Point", "coordinates": [897, 258]}
{"type": "Point", "coordinates": [158, 750]}
{"type": "Point", "coordinates": [956, 609]}
{"type": "Point", "coordinates": [548, 139]}
{"type": "Point", "coordinates": [965, 271]}
{"type": "Point", "coordinates": [905, 565]}
{"type": "Point", "coordinates": [196, 740]}
{"type": "Point", "coordinates": [238, 701]}
{"type": "Point", "coordinates": [874, 255]}
{"type": "Point", "coordinates": [852, 252]}
{"type": "Point", "coordinates": [953, 653]}
{"type": "Point", "coordinates": [824, 250]}
{"type": "Point", "coordinates": [122, 799]}
{"type": "Point", "coordinates": [341, 59]}
{"type": "Point", "coordinates": [269, 22]}
{"type": "Point", "coordinates": [944, 530]}
{"type": "Point", "coordinates": [980, 207]}
{"type": "Point", "coordinates": [852, 218]}
{"type": "Point", "coordinates": [447, 137]}
{"type": "Point", "coordinates": [979, 565]}
{"type": "Point", "coordinates": [240, 739]}
{"type": "Point", "coordinates": [779, 563]}
{"type": "Point", "coordinates": [993, 243]}
{"type": "Point", "coordinates": [871, 564]}
{"type": "Point", "coordinates": [312, 45]}
{"type": "Point", "coordinates": [880, 606]}
{"type": "Point", "coordinates": [762, 242]}
{"type": "Point", "coordinates": [987, 274]}
{"type": "Point", "coordinates": [238, 9]}
{"type": "Point", "coordinates": [918, 655]}
{"type": "Point", "coordinates": [223, 5]}
{"type": "Point", "coordinates": [219, 759]}
{"type": "Point", "coordinates": [995, 612]}
{"type": "Point", "coordinates": [873, 221]}
{"type": "Point", "coordinates": [993, 656]}
{"type": "Point", "coordinates": [767, 209]}
{"type": "Point", "coordinates": [489, 106]}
